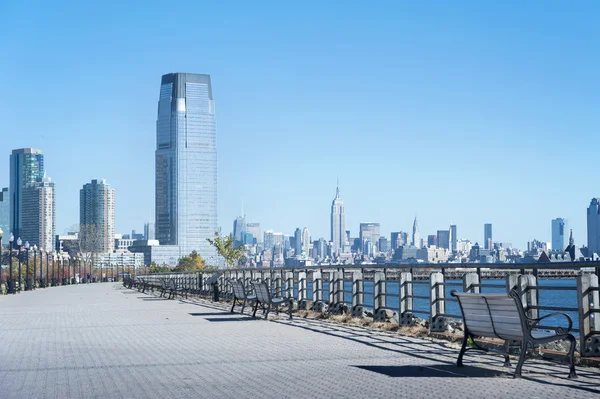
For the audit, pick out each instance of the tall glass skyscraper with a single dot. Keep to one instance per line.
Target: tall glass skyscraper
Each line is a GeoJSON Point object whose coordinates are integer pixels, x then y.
{"type": "Point", "coordinates": [186, 164]}
{"type": "Point", "coordinates": [338, 223]}
{"type": "Point", "coordinates": [26, 168]}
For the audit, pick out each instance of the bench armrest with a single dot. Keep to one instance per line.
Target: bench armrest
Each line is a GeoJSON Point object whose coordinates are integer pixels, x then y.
{"type": "Point", "coordinates": [534, 323]}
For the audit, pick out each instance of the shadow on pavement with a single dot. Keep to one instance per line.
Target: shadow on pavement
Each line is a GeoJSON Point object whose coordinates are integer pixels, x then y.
{"type": "Point", "coordinates": [442, 371]}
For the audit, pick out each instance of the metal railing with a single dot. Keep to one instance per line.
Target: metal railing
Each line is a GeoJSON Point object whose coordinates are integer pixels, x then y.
{"type": "Point", "coordinates": [423, 290]}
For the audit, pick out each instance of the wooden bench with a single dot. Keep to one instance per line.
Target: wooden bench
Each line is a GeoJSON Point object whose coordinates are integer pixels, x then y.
{"type": "Point", "coordinates": [502, 316]}
{"type": "Point", "coordinates": [263, 297]}
{"type": "Point", "coordinates": [174, 288]}
{"type": "Point", "coordinates": [241, 294]}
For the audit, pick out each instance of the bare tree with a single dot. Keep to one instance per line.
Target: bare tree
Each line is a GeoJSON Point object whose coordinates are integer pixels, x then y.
{"type": "Point", "coordinates": [89, 244]}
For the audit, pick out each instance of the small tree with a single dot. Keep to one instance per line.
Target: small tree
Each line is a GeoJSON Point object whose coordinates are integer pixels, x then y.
{"type": "Point", "coordinates": [224, 246]}
{"type": "Point", "coordinates": [190, 262]}
{"type": "Point", "coordinates": [156, 268]}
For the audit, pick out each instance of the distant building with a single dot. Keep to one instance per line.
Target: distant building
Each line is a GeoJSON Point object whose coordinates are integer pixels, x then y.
{"type": "Point", "coordinates": [443, 239]}
{"type": "Point", "coordinates": [433, 254]}
{"type": "Point", "coordinates": [593, 227]}
{"type": "Point", "coordinates": [97, 215]}
{"type": "Point", "coordinates": [432, 240]}
{"type": "Point", "coordinates": [559, 239]}
{"type": "Point", "coordinates": [383, 245]}
{"type": "Point", "coordinates": [453, 238]}
{"type": "Point", "coordinates": [487, 236]}
{"type": "Point", "coordinates": [298, 241]}
{"type": "Point", "coordinates": [369, 233]}
{"type": "Point", "coordinates": [64, 242]}
{"type": "Point", "coordinates": [406, 252]}
{"type": "Point", "coordinates": [26, 169]}
{"type": "Point", "coordinates": [254, 229]}
{"type": "Point", "coordinates": [338, 223]}
{"type": "Point", "coordinates": [416, 234]}
{"type": "Point", "coordinates": [5, 215]}
{"type": "Point", "coordinates": [305, 240]}
{"type": "Point", "coordinates": [239, 227]}
{"type": "Point", "coordinates": [39, 217]}
{"type": "Point", "coordinates": [123, 244]}
{"type": "Point", "coordinates": [269, 240]}
{"type": "Point", "coordinates": [149, 233]}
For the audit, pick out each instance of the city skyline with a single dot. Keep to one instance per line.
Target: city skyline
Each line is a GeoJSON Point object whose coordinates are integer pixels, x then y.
{"type": "Point", "coordinates": [310, 104]}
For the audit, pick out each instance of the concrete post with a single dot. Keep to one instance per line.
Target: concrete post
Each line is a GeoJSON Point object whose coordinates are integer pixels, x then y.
{"type": "Point", "coordinates": [470, 283]}
{"type": "Point", "coordinates": [277, 286]}
{"type": "Point", "coordinates": [289, 285]}
{"type": "Point", "coordinates": [332, 288]}
{"type": "Point", "coordinates": [406, 292]}
{"type": "Point", "coordinates": [527, 289]}
{"type": "Point", "coordinates": [512, 281]}
{"type": "Point", "coordinates": [302, 291]}
{"type": "Point", "coordinates": [436, 295]}
{"type": "Point", "coordinates": [317, 286]}
{"type": "Point", "coordinates": [379, 291]}
{"type": "Point", "coordinates": [358, 297]}
{"type": "Point", "coordinates": [589, 321]}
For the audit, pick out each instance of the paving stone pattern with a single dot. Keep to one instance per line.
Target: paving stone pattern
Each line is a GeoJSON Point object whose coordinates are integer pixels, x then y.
{"type": "Point", "coordinates": [104, 341]}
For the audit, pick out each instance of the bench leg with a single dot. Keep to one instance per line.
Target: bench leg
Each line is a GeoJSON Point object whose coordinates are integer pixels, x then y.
{"type": "Point", "coordinates": [255, 309]}
{"type": "Point", "coordinates": [463, 349]}
{"type": "Point", "coordinates": [268, 310]}
{"type": "Point", "coordinates": [571, 355]}
{"type": "Point", "coordinates": [521, 359]}
{"type": "Point", "coordinates": [232, 306]}
{"type": "Point", "coordinates": [506, 349]}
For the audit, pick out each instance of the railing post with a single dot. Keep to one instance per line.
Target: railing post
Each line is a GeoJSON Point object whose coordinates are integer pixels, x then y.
{"type": "Point", "coordinates": [589, 321]}
{"type": "Point", "coordinates": [379, 291]}
{"type": "Point", "coordinates": [471, 283]}
{"type": "Point", "coordinates": [527, 289]}
{"type": "Point", "coordinates": [357, 294]}
{"type": "Point", "coordinates": [289, 284]}
{"type": "Point", "coordinates": [277, 285]}
{"type": "Point", "coordinates": [437, 302]}
{"type": "Point", "coordinates": [317, 286]}
{"type": "Point", "coordinates": [302, 290]}
{"type": "Point", "coordinates": [512, 281]}
{"type": "Point", "coordinates": [332, 289]}
{"type": "Point", "coordinates": [406, 299]}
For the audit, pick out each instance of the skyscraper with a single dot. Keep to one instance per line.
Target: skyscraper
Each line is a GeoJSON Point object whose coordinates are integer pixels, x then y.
{"type": "Point", "coordinates": [443, 239]}
{"type": "Point", "coordinates": [369, 235]}
{"type": "Point", "coordinates": [26, 168]}
{"type": "Point", "coordinates": [305, 240]}
{"type": "Point", "coordinates": [298, 241]}
{"type": "Point", "coordinates": [453, 237]}
{"type": "Point", "coordinates": [559, 229]}
{"type": "Point", "coordinates": [149, 232]}
{"type": "Point", "coordinates": [239, 227]}
{"type": "Point", "coordinates": [39, 218]}
{"type": "Point", "coordinates": [416, 235]}
{"type": "Point", "coordinates": [487, 236]}
{"type": "Point", "coordinates": [338, 223]}
{"type": "Point", "coordinates": [254, 229]}
{"type": "Point", "coordinates": [593, 227]}
{"type": "Point", "coordinates": [186, 164]}
{"type": "Point", "coordinates": [97, 216]}
{"type": "Point", "coordinates": [4, 215]}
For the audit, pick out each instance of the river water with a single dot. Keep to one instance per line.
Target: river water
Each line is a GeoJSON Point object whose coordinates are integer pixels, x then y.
{"type": "Point", "coordinates": [563, 298]}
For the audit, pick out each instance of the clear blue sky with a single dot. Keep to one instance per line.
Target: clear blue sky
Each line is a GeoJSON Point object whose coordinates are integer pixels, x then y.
{"type": "Point", "coordinates": [462, 112]}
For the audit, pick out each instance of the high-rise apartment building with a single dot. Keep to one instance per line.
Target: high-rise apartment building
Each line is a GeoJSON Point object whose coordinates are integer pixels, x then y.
{"type": "Point", "coordinates": [559, 231]}
{"type": "Point", "coordinates": [97, 216]}
{"type": "Point", "coordinates": [593, 227]}
{"type": "Point", "coordinates": [416, 234]}
{"type": "Point", "coordinates": [453, 238]}
{"type": "Point", "coordinates": [487, 236]}
{"type": "Point", "coordinates": [305, 240]}
{"type": "Point", "coordinates": [298, 241]}
{"type": "Point", "coordinates": [39, 218]}
{"type": "Point", "coordinates": [186, 164]}
{"type": "Point", "coordinates": [4, 215]}
{"type": "Point", "coordinates": [26, 168]}
{"type": "Point", "coordinates": [338, 223]}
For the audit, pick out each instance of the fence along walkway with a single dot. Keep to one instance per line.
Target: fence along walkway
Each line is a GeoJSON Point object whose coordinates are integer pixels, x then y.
{"type": "Point", "coordinates": [381, 288]}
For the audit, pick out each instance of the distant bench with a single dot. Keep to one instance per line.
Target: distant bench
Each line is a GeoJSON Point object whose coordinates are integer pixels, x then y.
{"type": "Point", "coordinates": [502, 316]}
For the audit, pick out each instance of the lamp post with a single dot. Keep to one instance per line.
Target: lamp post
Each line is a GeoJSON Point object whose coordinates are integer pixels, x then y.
{"type": "Point", "coordinates": [34, 265]}
{"type": "Point", "coordinates": [41, 267]}
{"type": "Point", "coordinates": [63, 279]}
{"type": "Point", "coordinates": [11, 283]}
{"type": "Point", "coordinates": [19, 245]}
{"type": "Point", "coordinates": [53, 278]}
{"type": "Point", "coordinates": [47, 275]}
{"type": "Point", "coordinates": [27, 279]}
{"type": "Point", "coordinates": [79, 265]}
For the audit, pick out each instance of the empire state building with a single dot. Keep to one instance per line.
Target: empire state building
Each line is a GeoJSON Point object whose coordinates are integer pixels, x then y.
{"type": "Point", "coordinates": [338, 223]}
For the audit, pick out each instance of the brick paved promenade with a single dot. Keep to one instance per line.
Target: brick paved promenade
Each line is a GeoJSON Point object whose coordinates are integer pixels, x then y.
{"type": "Point", "coordinates": [103, 341]}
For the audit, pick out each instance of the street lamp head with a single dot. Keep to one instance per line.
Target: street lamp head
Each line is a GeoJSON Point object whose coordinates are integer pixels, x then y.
{"type": "Point", "coordinates": [1, 233]}
{"type": "Point", "coordinates": [34, 247]}
{"type": "Point", "coordinates": [19, 242]}
{"type": "Point", "coordinates": [27, 245]}
{"type": "Point", "coordinates": [11, 239]}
